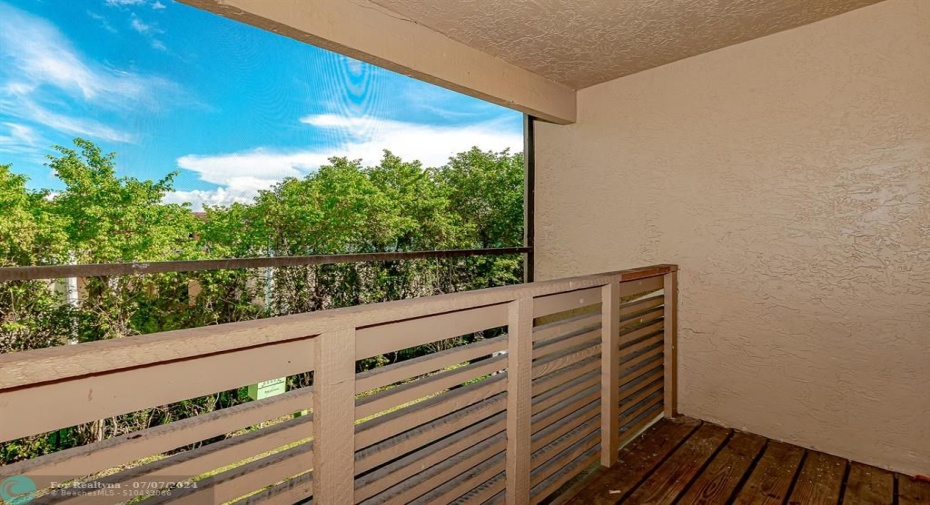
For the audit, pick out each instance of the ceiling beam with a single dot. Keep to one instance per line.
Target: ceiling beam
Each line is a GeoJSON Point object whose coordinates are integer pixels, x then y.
{"type": "Point", "coordinates": [365, 31]}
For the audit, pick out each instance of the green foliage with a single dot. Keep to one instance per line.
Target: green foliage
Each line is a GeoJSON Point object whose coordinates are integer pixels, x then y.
{"type": "Point", "coordinates": [474, 201]}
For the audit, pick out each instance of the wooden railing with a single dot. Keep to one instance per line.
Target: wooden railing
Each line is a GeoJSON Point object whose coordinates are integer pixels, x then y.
{"type": "Point", "coordinates": [584, 365]}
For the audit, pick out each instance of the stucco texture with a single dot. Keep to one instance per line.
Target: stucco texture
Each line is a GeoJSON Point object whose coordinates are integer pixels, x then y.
{"type": "Point", "coordinates": [789, 177]}
{"type": "Point", "coordinates": [582, 43]}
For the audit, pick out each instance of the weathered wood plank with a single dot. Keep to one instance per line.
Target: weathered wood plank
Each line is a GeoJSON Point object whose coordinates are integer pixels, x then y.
{"type": "Point", "coordinates": [719, 480]}
{"type": "Point", "coordinates": [669, 480]}
{"type": "Point", "coordinates": [912, 491]}
{"type": "Point", "coordinates": [636, 461]}
{"type": "Point", "coordinates": [773, 475]}
{"type": "Point", "coordinates": [820, 480]}
{"type": "Point", "coordinates": [867, 485]}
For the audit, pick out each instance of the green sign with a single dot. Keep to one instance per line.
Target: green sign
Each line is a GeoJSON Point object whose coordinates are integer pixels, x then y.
{"type": "Point", "coordinates": [267, 389]}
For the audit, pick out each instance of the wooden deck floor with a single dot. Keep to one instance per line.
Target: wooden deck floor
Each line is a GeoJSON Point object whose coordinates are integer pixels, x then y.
{"type": "Point", "coordinates": [687, 462]}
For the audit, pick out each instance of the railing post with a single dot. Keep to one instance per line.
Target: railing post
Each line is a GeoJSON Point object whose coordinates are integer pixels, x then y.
{"type": "Point", "coordinates": [610, 373]}
{"type": "Point", "coordinates": [670, 369]}
{"type": "Point", "coordinates": [334, 418]}
{"type": "Point", "coordinates": [519, 399]}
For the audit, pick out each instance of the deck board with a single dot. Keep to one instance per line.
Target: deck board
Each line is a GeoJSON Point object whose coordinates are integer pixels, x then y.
{"type": "Point", "coordinates": [820, 481]}
{"type": "Point", "coordinates": [668, 481]}
{"type": "Point", "coordinates": [720, 480]}
{"type": "Point", "coordinates": [912, 491]}
{"type": "Point", "coordinates": [868, 486]}
{"type": "Point", "coordinates": [690, 462]}
{"type": "Point", "coordinates": [636, 461]}
{"type": "Point", "coordinates": [771, 480]}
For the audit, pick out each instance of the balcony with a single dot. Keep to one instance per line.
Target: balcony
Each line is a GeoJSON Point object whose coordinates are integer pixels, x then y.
{"type": "Point", "coordinates": [776, 152]}
{"type": "Point", "coordinates": [522, 413]}
{"type": "Point", "coordinates": [572, 401]}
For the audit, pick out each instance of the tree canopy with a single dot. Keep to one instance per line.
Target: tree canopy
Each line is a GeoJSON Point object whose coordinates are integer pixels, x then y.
{"type": "Point", "coordinates": [97, 216]}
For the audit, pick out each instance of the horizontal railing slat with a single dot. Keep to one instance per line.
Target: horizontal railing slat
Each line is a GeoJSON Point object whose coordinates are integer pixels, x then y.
{"type": "Point", "coordinates": [435, 476]}
{"type": "Point", "coordinates": [388, 425]}
{"type": "Point", "coordinates": [397, 446]}
{"type": "Point", "coordinates": [425, 457]}
{"type": "Point", "coordinates": [421, 365]}
{"type": "Point", "coordinates": [86, 399]}
{"type": "Point", "coordinates": [562, 302]}
{"type": "Point", "coordinates": [93, 458]}
{"type": "Point", "coordinates": [421, 388]}
{"type": "Point", "coordinates": [556, 329]}
{"type": "Point", "coordinates": [382, 339]}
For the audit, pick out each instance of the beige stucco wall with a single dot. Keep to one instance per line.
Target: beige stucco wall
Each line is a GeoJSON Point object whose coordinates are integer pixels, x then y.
{"type": "Point", "coordinates": [789, 177]}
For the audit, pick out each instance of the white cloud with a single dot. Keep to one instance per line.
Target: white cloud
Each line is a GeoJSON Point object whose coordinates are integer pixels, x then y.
{"type": "Point", "coordinates": [68, 124]}
{"type": "Point", "coordinates": [19, 138]}
{"type": "Point", "coordinates": [104, 23]}
{"type": "Point", "coordinates": [124, 3]}
{"type": "Point", "coordinates": [40, 55]}
{"type": "Point", "coordinates": [158, 5]}
{"type": "Point", "coordinates": [199, 198]}
{"type": "Point", "coordinates": [242, 174]}
{"type": "Point", "coordinates": [139, 26]}
{"type": "Point", "coordinates": [40, 64]}
{"type": "Point", "coordinates": [147, 30]}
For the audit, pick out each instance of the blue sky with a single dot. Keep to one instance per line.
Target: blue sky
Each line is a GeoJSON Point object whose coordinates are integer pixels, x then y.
{"type": "Point", "coordinates": [233, 108]}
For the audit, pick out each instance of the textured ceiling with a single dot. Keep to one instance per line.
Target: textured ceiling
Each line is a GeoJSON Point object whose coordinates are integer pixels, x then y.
{"type": "Point", "coordinates": [585, 42]}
